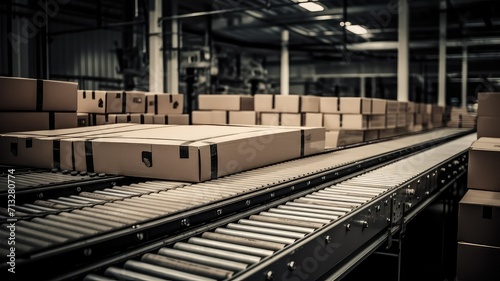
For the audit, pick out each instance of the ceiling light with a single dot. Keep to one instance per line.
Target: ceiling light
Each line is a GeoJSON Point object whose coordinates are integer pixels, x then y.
{"type": "Point", "coordinates": [310, 6]}
{"type": "Point", "coordinates": [356, 29]}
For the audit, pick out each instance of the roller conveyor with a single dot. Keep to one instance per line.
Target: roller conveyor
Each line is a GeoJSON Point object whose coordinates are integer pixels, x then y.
{"type": "Point", "coordinates": [241, 262]}
{"type": "Point", "coordinates": [128, 208]}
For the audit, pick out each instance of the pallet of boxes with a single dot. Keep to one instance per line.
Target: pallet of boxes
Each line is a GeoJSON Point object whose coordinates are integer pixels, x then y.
{"type": "Point", "coordinates": [479, 210]}
{"type": "Point", "coordinates": [35, 104]}
{"type": "Point", "coordinates": [115, 106]}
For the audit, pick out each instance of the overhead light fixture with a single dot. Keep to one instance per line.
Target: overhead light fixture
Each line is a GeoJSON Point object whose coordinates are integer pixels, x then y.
{"type": "Point", "coordinates": [310, 5]}
{"type": "Point", "coordinates": [356, 29]}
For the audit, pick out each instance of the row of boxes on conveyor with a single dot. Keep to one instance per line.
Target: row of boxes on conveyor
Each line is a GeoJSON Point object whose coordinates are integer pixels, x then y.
{"type": "Point", "coordinates": [348, 120]}
{"type": "Point", "coordinates": [479, 210]}
{"type": "Point", "coordinates": [110, 107]}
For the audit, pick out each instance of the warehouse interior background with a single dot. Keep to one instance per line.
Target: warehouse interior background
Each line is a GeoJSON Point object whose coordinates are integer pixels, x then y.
{"type": "Point", "coordinates": [440, 52]}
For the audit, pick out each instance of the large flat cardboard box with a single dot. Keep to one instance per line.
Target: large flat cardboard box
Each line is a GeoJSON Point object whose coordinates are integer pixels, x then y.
{"type": "Point", "coordinates": [392, 106]}
{"type": "Point", "coordinates": [141, 118]}
{"type": "Point", "coordinates": [309, 104]}
{"type": "Point", "coordinates": [354, 121]}
{"type": "Point", "coordinates": [159, 103]}
{"type": "Point", "coordinates": [477, 262]}
{"type": "Point", "coordinates": [355, 105]}
{"type": "Point", "coordinates": [479, 218]}
{"type": "Point", "coordinates": [329, 104]}
{"type": "Point", "coordinates": [378, 106]}
{"type": "Point", "coordinates": [313, 119]}
{"type": "Point", "coordinates": [209, 117]}
{"type": "Point", "coordinates": [370, 135]}
{"type": "Point", "coordinates": [225, 102]}
{"type": "Point", "coordinates": [487, 126]}
{"type": "Point", "coordinates": [277, 103]}
{"type": "Point", "coordinates": [24, 94]}
{"type": "Point", "coordinates": [30, 121]}
{"type": "Point", "coordinates": [488, 104]}
{"type": "Point", "coordinates": [339, 138]}
{"type": "Point", "coordinates": [270, 119]}
{"type": "Point", "coordinates": [391, 120]}
{"type": "Point", "coordinates": [198, 153]}
{"type": "Point", "coordinates": [376, 121]}
{"type": "Point", "coordinates": [291, 119]}
{"type": "Point", "coordinates": [171, 119]}
{"type": "Point", "coordinates": [243, 118]}
{"type": "Point", "coordinates": [484, 158]}
{"type": "Point", "coordinates": [331, 121]}
{"type": "Point", "coordinates": [111, 102]}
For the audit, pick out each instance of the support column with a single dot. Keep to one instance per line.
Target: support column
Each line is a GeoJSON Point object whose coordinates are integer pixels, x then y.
{"type": "Point", "coordinates": [285, 68]}
{"type": "Point", "coordinates": [362, 88]}
{"type": "Point", "coordinates": [172, 55]}
{"type": "Point", "coordinates": [464, 76]}
{"type": "Point", "coordinates": [442, 54]}
{"type": "Point", "coordinates": [155, 48]}
{"type": "Point", "coordinates": [403, 51]}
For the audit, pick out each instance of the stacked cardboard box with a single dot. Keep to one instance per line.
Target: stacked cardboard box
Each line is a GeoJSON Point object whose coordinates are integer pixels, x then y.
{"type": "Point", "coordinates": [31, 104]}
{"type": "Point", "coordinates": [479, 209]}
{"type": "Point", "coordinates": [109, 107]}
{"type": "Point", "coordinates": [288, 110]}
{"type": "Point", "coordinates": [184, 153]}
{"type": "Point", "coordinates": [225, 109]}
{"type": "Point", "coordinates": [460, 118]}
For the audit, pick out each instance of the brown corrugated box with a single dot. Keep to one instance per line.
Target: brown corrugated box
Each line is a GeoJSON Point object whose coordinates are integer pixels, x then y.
{"type": "Point", "coordinates": [141, 118]}
{"type": "Point", "coordinates": [378, 106]}
{"type": "Point", "coordinates": [477, 262]}
{"type": "Point", "coordinates": [117, 118]}
{"type": "Point", "coordinates": [412, 107]}
{"type": "Point", "coordinates": [309, 104]}
{"type": "Point", "coordinates": [159, 103]}
{"type": "Point", "coordinates": [376, 121]}
{"type": "Point", "coordinates": [291, 119]}
{"type": "Point", "coordinates": [484, 158]}
{"type": "Point", "coordinates": [391, 120]}
{"type": "Point", "coordinates": [392, 106]}
{"type": "Point", "coordinates": [488, 104]}
{"type": "Point", "coordinates": [30, 121]}
{"type": "Point", "coordinates": [243, 118]}
{"type": "Point", "coordinates": [209, 117]}
{"type": "Point", "coordinates": [331, 121]}
{"type": "Point", "coordinates": [355, 105]}
{"type": "Point", "coordinates": [24, 94]}
{"type": "Point", "coordinates": [402, 107]}
{"type": "Point", "coordinates": [171, 119]}
{"type": "Point", "coordinates": [479, 218]}
{"type": "Point", "coordinates": [270, 119]}
{"type": "Point", "coordinates": [342, 138]}
{"type": "Point", "coordinates": [313, 119]}
{"type": "Point", "coordinates": [329, 105]}
{"type": "Point", "coordinates": [487, 126]}
{"type": "Point", "coordinates": [111, 102]}
{"type": "Point", "coordinates": [354, 121]}
{"type": "Point", "coordinates": [226, 102]}
{"type": "Point", "coordinates": [277, 103]}
{"type": "Point", "coordinates": [401, 119]}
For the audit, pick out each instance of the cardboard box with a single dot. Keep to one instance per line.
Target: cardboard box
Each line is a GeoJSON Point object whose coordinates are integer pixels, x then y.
{"type": "Point", "coordinates": [479, 218]}
{"type": "Point", "coordinates": [159, 103]}
{"type": "Point", "coordinates": [484, 157]}
{"type": "Point", "coordinates": [391, 120]}
{"type": "Point", "coordinates": [111, 102]}
{"type": "Point", "coordinates": [392, 106]}
{"type": "Point", "coordinates": [355, 105]}
{"type": "Point", "coordinates": [370, 135]}
{"type": "Point", "coordinates": [342, 138]}
{"type": "Point", "coordinates": [309, 104]}
{"type": "Point", "coordinates": [412, 107]}
{"type": "Point", "coordinates": [270, 119]}
{"type": "Point", "coordinates": [117, 118]}
{"type": "Point", "coordinates": [82, 120]}
{"type": "Point", "coordinates": [477, 262]}
{"type": "Point", "coordinates": [313, 119]}
{"type": "Point", "coordinates": [277, 103]}
{"type": "Point", "coordinates": [401, 119]}
{"type": "Point", "coordinates": [171, 119]}
{"type": "Point", "coordinates": [243, 118]}
{"type": "Point", "coordinates": [378, 106]}
{"type": "Point", "coordinates": [376, 121]}
{"type": "Point", "coordinates": [329, 104]}
{"type": "Point", "coordinates": [141, 118]}
{"type": "Point", "coordinates": [487, 126]}
{"type": "Point", "coordinates": [331, 121]}
{"type": "Point", "coordinates": [225, 102]}
{"type": "Point", "coordinates": [199, 153]}
{"type": "Point", "coordinates": [402, 107]}
{"type": "Point", "coordinates": [488, 104]}
{"type": "Point", "coordinates": [354, 121]}
{"type": "Point", "coordinates": [291, 119]}
{"type": "Point", "coordinates": [209, 117]}
{"type": "Point", "coordinates": [96, 119]}
{"type": "Point", "coordinates": [24, 94]}
{"type": "Point", "coordinates": [31, 121]}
